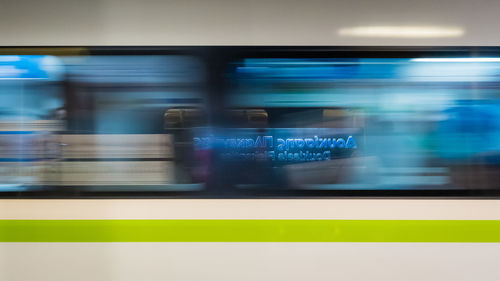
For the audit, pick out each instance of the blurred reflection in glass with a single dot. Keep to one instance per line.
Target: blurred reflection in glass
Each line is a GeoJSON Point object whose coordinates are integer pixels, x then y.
{"type": "Point", "coordinates": [31, 97]}
{"type": "Point", "coordinates": [417, 123]}
{"type": "Point", "coordinates": [144, 123]}
{"type": "Point", "coordinates": [126, 117]}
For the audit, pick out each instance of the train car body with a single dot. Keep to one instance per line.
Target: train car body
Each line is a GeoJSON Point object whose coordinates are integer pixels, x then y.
{"type": "Point", "coordinates": [275, 141]}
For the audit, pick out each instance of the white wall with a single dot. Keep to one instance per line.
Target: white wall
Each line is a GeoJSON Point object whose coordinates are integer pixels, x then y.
{"type": "Point", "coordinates": [233, 22]}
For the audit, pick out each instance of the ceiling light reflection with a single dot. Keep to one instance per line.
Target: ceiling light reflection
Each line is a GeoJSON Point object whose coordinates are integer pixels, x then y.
{"type": "Point", "coordinates": [402, 31]}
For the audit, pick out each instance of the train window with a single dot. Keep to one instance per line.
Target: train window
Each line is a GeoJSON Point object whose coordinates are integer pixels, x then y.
{"type": "Point", "coordinates": [239, 122]}
{"type": "Point", "coordinates": [365, 124]}
{"type": "Point", "coordinates": [96, 123]}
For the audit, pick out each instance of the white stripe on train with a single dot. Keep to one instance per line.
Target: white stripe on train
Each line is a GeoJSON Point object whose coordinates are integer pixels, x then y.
{"type": "Point", "coordinates": [380, 209]}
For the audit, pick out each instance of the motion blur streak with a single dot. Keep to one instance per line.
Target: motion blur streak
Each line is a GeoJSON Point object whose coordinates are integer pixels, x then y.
{"type": "Point", "coordinates": [402, 31]}
{"type": "Point", "coordinates": [277, 124]}
{"type": "Point", "coordinates": [457, 60]}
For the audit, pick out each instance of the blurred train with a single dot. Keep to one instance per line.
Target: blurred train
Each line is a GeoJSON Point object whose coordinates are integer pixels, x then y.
{"type": "Point", "coordinates": [249, 144]}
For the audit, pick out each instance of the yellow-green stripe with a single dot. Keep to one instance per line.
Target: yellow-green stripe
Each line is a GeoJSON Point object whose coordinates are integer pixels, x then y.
{"type": "Point", "coordinates": [249, 231]}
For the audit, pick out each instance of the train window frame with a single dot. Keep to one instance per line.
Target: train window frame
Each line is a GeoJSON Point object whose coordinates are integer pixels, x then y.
{"type": "Point", "coordinates": [217, 60]}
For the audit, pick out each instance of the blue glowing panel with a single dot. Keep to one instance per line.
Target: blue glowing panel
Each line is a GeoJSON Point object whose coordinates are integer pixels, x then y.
{"type": "Point", "coordinates": [29, 67]}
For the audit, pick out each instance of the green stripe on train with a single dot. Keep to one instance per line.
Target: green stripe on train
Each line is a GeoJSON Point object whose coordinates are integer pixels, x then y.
{"type": "Point", "coordinates": [249, 230]}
